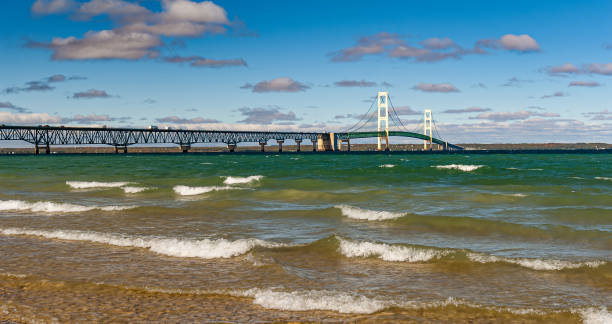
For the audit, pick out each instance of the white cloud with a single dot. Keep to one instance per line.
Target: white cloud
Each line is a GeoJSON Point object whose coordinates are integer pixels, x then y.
{"type": "Point", "coordinates": [7, 117]}
{"type": "Point", "coordinates": [521, 43]}
{"type": "Point", "coordinates": [47, 7]}
{"type": "Point", "coordinates": [512, 115]}
{"type": "Point", "coordinates": [277, 85]}
{"type": "Point", "coordinates": [436, 87]}
{"type": "Point", "coordinates": [200, 12]}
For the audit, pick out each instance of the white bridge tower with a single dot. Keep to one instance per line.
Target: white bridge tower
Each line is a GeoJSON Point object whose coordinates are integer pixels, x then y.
{"type": "Point", "coordinates": [383, 104]}
{"type": "Point", "coordinates": [427, 128]}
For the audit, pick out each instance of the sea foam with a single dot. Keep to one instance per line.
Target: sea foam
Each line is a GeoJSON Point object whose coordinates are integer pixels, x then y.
{"type": "Point", "coordinates": [461, 167]}
{"type": "Point", "coordinates": [317, 300]}
{"type": "Point", "coordinates": [242, 180]}
{"type": "Point", "coordinates": [388, 252]}
{"type": "Point", "coordinates": [191, 191]}
{"type": "Point", "coordinates": [94, 184]}
{"type": "Point", "coordinates": [593, 315]}
{"type": "Point", "coordinates": [535, 264]}
{"type": "Point", "coordinates": [132, 190]}
{"type": "Point", "coordinates": [53, 207]}
{"type": "Point", "coordinates": [205, 249]}
{"type": "Point", "coordinates": [358, 213]}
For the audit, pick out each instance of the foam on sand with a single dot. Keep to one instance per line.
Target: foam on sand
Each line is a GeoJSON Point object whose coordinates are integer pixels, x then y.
{"type": "Point", "coordinates": [241, 180]}
{"type": "Point", "coordinates": [205, 249]}
{"type": "Point", "coordinates": [192, 191]}
{"type": "Point", "coordinates": [535, 264]}
{"type": "Point", "coordinates": [95, 184]}
{"type": "Point", "coordinates": [388, 252]}
{"type": "Point", "coordinates": [460, 167]}
{"type": "Point", "coordinates": [593, 315]}
{"type": "Point", "coordinates": [365, 214]}
{"type": "Point", "coordinates": [53, 207]}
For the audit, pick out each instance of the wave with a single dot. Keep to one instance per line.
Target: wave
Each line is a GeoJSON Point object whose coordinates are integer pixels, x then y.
{"type": "Point", "coordinates": [204, 249]}
{"type": "Point", "coordinates": [603, 178]}
{"type": "Point", "coordinates": [132, 190]}
{"type": "Point", "coordinates": [358, 213]}
{"type": "Point", "coordinates": [53, 207]}
{"type": "Point", "coordinates": [388, 252]}
{"type": "Point", "coordinates": [95, 184]}
{"type": "Point", "coordinates": [241, 180]}
{"type": "Point", "coordinates": [386, 166]}
{"type": "Point", "coordinates": [460, 167]}
{"type": "Point", "coordinates": [191, 191]}
{"type": "Point", "coordinates": [535, 264]}
{"type": "Point", "coordinates": [408, 253]}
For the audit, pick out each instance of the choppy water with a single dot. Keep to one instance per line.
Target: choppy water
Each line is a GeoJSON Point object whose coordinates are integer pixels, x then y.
{"type": "Point", "coordinates": [356, 234]}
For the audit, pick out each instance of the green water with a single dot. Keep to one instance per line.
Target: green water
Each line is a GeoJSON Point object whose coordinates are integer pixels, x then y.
{"type": "Point", "coordinates": [529, 232]}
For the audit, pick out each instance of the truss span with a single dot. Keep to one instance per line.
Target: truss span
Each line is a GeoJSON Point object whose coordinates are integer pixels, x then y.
{"type": "Point", "coordinates": [59, 135]}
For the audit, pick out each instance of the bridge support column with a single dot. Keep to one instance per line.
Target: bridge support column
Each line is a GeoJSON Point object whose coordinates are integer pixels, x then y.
{"type": "Point", "coordinates": [326, 142]}
{"type": "Point", "coordinates": [299, 144]}
{"type": "Point", "coordinates": [348, 144]}
{"type": "Point", "coordinates": [185, 148]}
{"type": "Point", "coordinates": [263, 146]}
{"type": "Point", "coordinates": [36, 151]}
{"type": "Point", "coordinates": [314, 145]}
{"type": "Point", "coordinates": [120, 148]}
{"type": "Point", "coordinates": [47, 149]}
{"type": "Point", "coordinates": [280, 144]}
{"type": "Point", "coordinates": [231, 147]}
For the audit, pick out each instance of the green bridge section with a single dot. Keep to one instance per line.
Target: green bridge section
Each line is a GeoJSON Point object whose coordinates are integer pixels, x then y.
{"type": "Point", "coordinates": [345, 136]}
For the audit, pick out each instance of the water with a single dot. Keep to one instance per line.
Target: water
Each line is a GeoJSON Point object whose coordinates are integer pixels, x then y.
{"type": "Point", "coordinates": [350, 237]}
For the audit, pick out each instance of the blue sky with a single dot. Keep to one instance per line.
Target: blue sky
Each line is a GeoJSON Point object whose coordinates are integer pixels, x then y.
{"type": "Point", "coordinates": [491, 71]}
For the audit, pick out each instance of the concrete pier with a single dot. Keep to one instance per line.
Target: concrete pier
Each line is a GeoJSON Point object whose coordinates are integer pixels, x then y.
{"type": "Point", "coordinates": [231, 147]}
{"type": "Point", "coordinates": [263, 146]}
{"type": "Point", "coordinates": [119, 148]}
{"type": "Point", "coordinates": [185, 148]}
{"type": "Point", "coordinates": [298, 142]}
{"type": "Point", "coordinates": [280, 144]}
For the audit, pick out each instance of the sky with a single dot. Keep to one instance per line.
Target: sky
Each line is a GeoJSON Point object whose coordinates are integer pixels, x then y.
{"type": "Point", "coordinates": [490, 71]}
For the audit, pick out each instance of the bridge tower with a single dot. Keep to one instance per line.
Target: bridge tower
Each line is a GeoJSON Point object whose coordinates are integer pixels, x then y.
{"type": "Point", "coordinates": [427, 128]}
{"type": "Point", "coordinates": [383, 104]}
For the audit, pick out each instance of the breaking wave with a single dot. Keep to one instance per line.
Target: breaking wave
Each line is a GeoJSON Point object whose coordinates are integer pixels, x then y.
{"type": "Point", "coordinates": [388, 252]}
{"type": "Point", "coordinates": [593, 315]}
{"type": "Point", "coordinates": [358, 213]}
{"type": "Point", "coordinates": [94, 184]}
{"type": "Point", "coordinates": [460, 167]}
{"type": "Point", "coordinates": [132, 190]}
{"type": "Point", "coordinates": [242, 180]}
{"type": "Point", "coordinates": [603, 178]}
{"type": "Point", "coordinates": [205, 249]}
{"type": "Point", "coordinates": [191, 191]}
{"type": "Point", "coordinates": [53, 207]}
{"type": "Point", "coordinates": [386, 166]}
{"type": "Point", "coordinates": [535, 264]}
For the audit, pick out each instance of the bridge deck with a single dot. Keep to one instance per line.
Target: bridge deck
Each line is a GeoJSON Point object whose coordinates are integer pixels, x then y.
{"type": "Point", "coordinates": [397, 133]}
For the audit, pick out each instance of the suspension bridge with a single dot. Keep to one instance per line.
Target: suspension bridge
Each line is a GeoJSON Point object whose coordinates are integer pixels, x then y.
{"type": "Point", "coordinates": [44, 136]}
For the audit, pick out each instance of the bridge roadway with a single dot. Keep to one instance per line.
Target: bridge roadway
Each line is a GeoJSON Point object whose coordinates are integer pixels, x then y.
{"type": "Point", "coordinates": [121, 138]}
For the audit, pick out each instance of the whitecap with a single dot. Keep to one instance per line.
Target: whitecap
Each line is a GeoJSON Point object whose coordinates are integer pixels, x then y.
{"type": "Point", "coordinates": [53, 207]}
{"type": "Point", "coordinates": [461, 167]}
{"type": "Point", "coordinates": [535, 264]}
{"type": "Point", "coordinates": [603, 178]}
{"type": "Point", "coordinates": [518, 195]}
{"type": "Point", "coordinates": [388, 252]}
{"type": "Point", "coordinates": [205, 248]}
{"type": "Point", "coordinates": [241, 180]}
{"type": "Point", "coordinates": [191, 191]}
{"type": "Point", "coordinates": [132, 190]}
{"type": "Point", "coordinates": [95, 184]}
{"type": "Point", "coordinates": [358, 213]}
{"type": "Point", "coordinates": [386, 166]}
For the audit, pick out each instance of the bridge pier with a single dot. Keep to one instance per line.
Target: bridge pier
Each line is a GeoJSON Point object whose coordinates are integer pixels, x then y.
{"type": "Point", "coordinates": [36, 149]}
{"type": "Point", "coordinates": [185, 148]}
{"type": "Point", "coordinates": [280, 144]}
{"type": "Point", "coordinates": [326, 142]}
{"type": "Point", "coordinates": [299, 144]}
{"type": "Point", "coordinates": [120, 148]}
{"type": "Point", "coordinates": [231, 147]}
{"type": "Point", "coordinates": [314, 145]}
{"type": "Point", "coordinates": [263, 146]}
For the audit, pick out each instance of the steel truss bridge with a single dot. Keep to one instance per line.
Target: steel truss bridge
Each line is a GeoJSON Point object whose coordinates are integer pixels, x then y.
{"type": "Point", "coordinates": [121, 138]}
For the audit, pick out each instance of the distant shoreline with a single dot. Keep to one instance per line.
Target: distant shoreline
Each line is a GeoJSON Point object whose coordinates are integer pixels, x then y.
{"type": "Point", "coordinates": [544, 148]}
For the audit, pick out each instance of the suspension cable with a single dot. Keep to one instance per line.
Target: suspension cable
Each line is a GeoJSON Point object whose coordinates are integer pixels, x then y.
{"type": "Point", "coordinates": [362, 117]}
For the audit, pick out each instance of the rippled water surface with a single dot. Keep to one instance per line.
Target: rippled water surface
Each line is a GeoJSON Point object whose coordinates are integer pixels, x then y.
{"type": "Point", "coordinates": [377, 235]}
